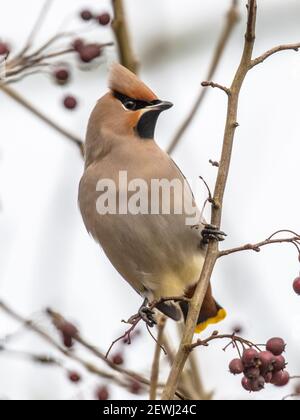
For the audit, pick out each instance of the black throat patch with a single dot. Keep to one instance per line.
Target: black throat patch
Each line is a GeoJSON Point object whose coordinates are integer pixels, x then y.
{"type": "Point", "coordinates": [147, 123]}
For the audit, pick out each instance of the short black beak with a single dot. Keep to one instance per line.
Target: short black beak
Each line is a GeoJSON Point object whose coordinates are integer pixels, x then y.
{"type": "Point", "coordinates": [160, 106]}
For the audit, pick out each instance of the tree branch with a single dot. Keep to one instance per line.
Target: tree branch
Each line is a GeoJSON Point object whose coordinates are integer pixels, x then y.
{"type": "Point", "coordinates": [212, 251]}
{"type": "Point", "coordinates": [232, 18]}
{"type": "Point", "coordinates": [155, 365]}
{"type": "Point", "coordinates": [273, 51]}
{"type": "Point", "coordinates": [256, 247]}
{"type": "Point", "coordinates": [122, 35]}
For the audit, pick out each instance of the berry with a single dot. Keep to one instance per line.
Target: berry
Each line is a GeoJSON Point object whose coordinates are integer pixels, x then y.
{"type": "Point", "coordinates": [74, 377]}
{"type": "Point", "coordinates": [250, 357]}
{"type": "Point", "coordinates": [86, 15]}
{"type": "Point", "coordinates": [279, 363]}
{"type": "Point", "coordinates": [280, 378]}
{"type": "Point", "coordinates": [78, 44]}
{"type": "Point", "coordinates": [118, 359]}
{"type": "Point", "coordinates": [104, 19]}
{"type": "Point", "coordinates": [252, 373]}
{"type": "Point", "coordinates": [296, 285]}
{"type": "Point", "coordinates": [236, 367]}
{"type": "Point", "coordinates": [4, 49]}
{"type": "Point", "coordinates": [276, 346]}
{"type": "Point", "coordinates": [246, 384]}
{"type": "Point", "coordinates": [62, 75]}
{"type": "Point", "coordinates": [89, 52]}
{"type": "Point", "coordinates": [258, 384]}
{"type": "Point", "coordinates": [267, 360]}
{"type": "Point", "coordinates": [102, 393]}
{"type": "Point", "coordinates": [268, 377]}
{"type": "Point", "coordinates": [70, 102]}
{"type": "Point", "coordinates": [135, 387]}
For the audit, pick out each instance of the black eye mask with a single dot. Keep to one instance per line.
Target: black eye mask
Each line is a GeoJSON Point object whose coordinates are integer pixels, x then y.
{"type": "Point", "coordinates": [133, 104]}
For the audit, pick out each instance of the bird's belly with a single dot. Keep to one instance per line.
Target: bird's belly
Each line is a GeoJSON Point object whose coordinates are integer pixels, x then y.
{"type": "Point", "coordinates": [156, 254]}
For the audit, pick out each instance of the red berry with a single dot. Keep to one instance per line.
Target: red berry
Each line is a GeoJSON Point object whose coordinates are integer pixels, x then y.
{"type": "Point", "coordinates": [78, 44]}
{"type": "Point", "coordinates": [104, 19]}
{"type": "Point", "coordinates": [267, 360]}
{"type": "Point", "coordinates": [62, 75]}
{"type": "Point", "coordinates": [86, 15]}
{"type": "Point", "coordinates": [70, 102]}
{"type": "Point", "coordinates": [258, 384]}
{"type": "Point", "coordinates": [296, 285]}
{"type": "Point", "coordinates": [118, 359]}
{"type": "Point", "coordinates": [4, 49]}
{"type": "Point", "coordinates": [252, 373]}
{"type": "Point", "coordinates": [102, 393]}
{"type": "Point", "coordinates": [279, 363]}
{"type": "Point", "coordinates": [268, 377]}
{"type": "Point", "coordinates": [280, 378]}
{"type": "Point", "coordinates": [74, 377]}
{"type": "Point", "coordinates": [89, 52]}
{"type": "Point", "coordinates": [246, 384]}
{"type": "Point", "coordinates": [276, 346]}
{"type": "Point", "coordinates": [135, 387]}
{"type": "Point", "coordinates": [250, 357]}
{"type": "Point", "coordinates": [236, 367]}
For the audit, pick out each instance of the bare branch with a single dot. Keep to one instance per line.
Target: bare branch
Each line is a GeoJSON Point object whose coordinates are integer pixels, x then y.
{"type": "Point", "coordinates": [256, 247]}
{"type": "Point", "coordinates": [263, 57]}
{"type": "Point", "coordinates": [216, 85]}
{"type": "Point", "coordinates": [232, 18]}
{"type": "Point", "coordinates": [155, 365]}
{"type": "Point", "coordinates": [223, 172]}
{"type": "Point", "coordinates": [122, 35]}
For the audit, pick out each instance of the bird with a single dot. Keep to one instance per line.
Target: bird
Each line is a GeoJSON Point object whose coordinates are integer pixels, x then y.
{"type": "Point", "coordinates": [156, 252]}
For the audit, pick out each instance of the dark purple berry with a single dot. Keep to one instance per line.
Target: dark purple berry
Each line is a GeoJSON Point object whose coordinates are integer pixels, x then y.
{"type": "Point", "coordinates": [118, 359]}
{"type": "Point", "coordinates": [252, 373]}
{"type": "Point", "coordinates": [276, 346]}
{"type": "Point", "coordinates": [86, 15]}
{"type": "Point", "coordinates": [280, 378]}
{"type": "Point", "coordinates": [70, 102]}
{"type": "Point", "coordinates": [246, 384]}
{"type": "Point", "coordinates": [4, 49]}
{"type": "Point", "coordinates": [135, 387]}
{"type": "Point", "coordinates": [102, 393]}
{"type": "Point", "coordinates": [89, 52]}
{"type": "Point", "coordinates": [62, 76]}
{"type": "Point", "coordinates": [78, 44]}
{"type": "Point", "coordinates": [268, 377]}
{"type": "Point", "coordinates": [236, 367]}
{"type": "Point", "coordinates": [280, 363]}
{"type": "Point", "coordinates": [267, 360]}
{"type": "Point", "coordinates": [258, 384]}
{"type": "Point", "coordinates": [296, 285]}
{"type": "Point", "coordinates": [104, 19]}
{"type": "Point", "coordinates": [250, 357]}
{"type": "Point", "coordinates": [74, 377]}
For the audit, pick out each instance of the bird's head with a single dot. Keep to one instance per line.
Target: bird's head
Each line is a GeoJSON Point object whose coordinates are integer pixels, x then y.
{"type": "Point", "coordinates": [130, 107]}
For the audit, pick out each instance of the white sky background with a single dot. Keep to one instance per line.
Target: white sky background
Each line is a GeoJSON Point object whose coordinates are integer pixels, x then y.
{"type": "Point", "coordinates": [46, 256]}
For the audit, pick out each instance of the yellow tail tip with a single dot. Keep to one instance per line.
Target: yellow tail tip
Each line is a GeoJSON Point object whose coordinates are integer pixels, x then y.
{"type": "Point", "coordinates": [221, 315]}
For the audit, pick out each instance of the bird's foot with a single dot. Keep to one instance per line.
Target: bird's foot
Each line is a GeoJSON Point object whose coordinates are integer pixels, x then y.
{"type": "Point", "coordinates": [212, 233]}
{"type": "Point", "coordinates": [144, 313]}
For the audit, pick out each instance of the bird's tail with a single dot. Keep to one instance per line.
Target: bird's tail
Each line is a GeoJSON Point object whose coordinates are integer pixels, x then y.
{"type": "Point", "coordinates": [211, 312]}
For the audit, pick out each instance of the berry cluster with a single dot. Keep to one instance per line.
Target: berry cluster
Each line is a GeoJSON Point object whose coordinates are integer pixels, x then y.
{"type": "Point", "coordinates": [103, 18]}
{"type": "Point", "coordinates": [262, 367]}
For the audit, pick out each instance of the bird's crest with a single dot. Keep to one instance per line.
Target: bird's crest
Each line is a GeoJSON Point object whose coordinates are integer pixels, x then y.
{"type": "Point", "coordinates": [123, 81]}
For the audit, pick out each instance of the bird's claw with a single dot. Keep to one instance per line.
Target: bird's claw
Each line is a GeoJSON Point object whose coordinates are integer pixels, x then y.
{"type": "Point", "coordinates": [212, 233]}
{"type": "Point", "coordinates": [147, 315]}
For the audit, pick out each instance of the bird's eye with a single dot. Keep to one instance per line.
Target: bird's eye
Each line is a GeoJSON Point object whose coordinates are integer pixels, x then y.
{"type": "Point", "coordinates": [131, 105]}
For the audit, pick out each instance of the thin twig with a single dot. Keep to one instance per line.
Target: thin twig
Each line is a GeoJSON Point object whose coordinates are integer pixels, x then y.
{"type": "Point", "coordinates": [155, 365]}
{"type": "Point", "coordinates": [232, 18]}
{"type": "Point", "coordinates": [263, 57]}
{"type": "Point", "coordinates": [223, 172]}
{"type": "Point", "coordinates": [122, 35]}
{"type": "Point", "coordinates": [256, 247]}
{"type": "Point", "coordinates": [218, 86]}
